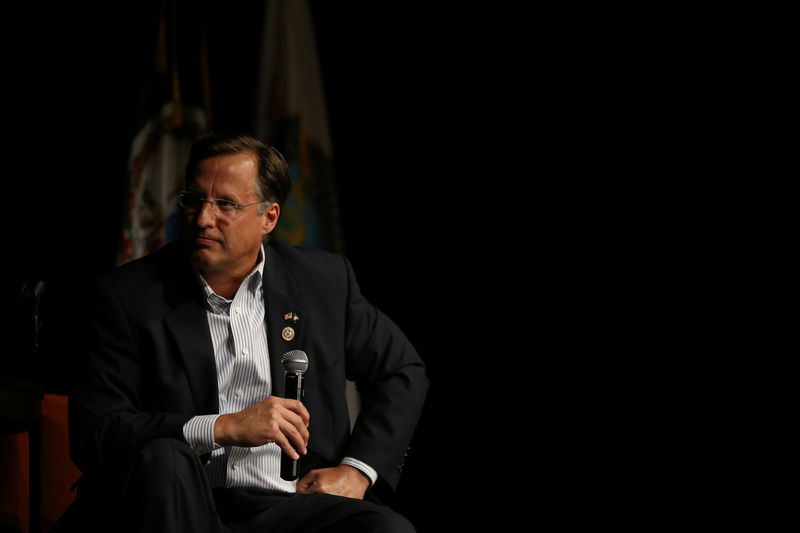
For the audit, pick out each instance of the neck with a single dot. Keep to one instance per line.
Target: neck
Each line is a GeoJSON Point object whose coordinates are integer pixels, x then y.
{"type": "Point", "coordinates": [225, 286]}
{"type": "Point", "coordinates": [227, 282]}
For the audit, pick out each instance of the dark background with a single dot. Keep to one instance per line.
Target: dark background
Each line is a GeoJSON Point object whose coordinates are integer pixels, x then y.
{"type": "Point", "coordinates": [407, 107]}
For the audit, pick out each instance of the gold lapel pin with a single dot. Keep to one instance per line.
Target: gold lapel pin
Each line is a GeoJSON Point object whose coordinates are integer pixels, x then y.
{"type": "Point", "coordinates": [287, 333]}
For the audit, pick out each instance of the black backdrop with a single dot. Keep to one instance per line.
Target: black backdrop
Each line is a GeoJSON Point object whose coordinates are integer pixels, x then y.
{"type": "Point", "coordinates": [438, 162]}
{"type": "Point", "coordinates": [400, 85]}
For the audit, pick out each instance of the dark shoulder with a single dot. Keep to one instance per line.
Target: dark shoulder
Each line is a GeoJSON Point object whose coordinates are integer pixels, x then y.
{"type": "Point", "coordinates": [159, 276]}
{"type": "Point", "coordinates": [303, 260]}
{"type": "Point", "coordinates": [315, 273]}
{"type": "Point", "coordinates": [167, 262]}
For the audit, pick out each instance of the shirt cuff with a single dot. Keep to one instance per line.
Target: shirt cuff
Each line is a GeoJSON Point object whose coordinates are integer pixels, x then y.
{"type": "Point", "coordinates": [364, 467]}
{"type": "Point", "coordinates": [199, 433]}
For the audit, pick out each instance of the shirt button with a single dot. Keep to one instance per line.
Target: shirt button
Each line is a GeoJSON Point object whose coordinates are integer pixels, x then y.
{"type": "Point", "coordinates": [234, 465]}
{"type": "Point", "coordinates": [245, 351]}
{"type": "Point", "coordinates": [238, 309]}
{"type": "Point", "coordinates": [239, 392]}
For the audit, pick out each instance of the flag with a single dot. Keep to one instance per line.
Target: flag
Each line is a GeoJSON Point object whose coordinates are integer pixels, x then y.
{"type": "Point", "coordinates": [167, 127]}
{"type": "Point", "coordinates": [291, 115]}
{"type": "Point", "coordinates": [155, 176]}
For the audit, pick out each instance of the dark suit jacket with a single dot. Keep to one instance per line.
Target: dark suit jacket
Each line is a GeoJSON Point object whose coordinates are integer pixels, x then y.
{"type": "Point", "coordinates": [150, 364]}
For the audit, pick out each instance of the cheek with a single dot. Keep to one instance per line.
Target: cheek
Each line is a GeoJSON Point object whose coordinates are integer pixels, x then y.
{"type": "Point", "coordinates": [245, 236]}
{"type": "Point", "coordinates": [258, 226]}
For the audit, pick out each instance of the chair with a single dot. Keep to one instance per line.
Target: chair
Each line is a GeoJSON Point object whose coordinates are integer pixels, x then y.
{"type": "Point", "coordinates": [35, 467]}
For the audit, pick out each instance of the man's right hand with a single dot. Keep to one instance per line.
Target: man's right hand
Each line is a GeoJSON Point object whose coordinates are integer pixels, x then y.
{"type": "Point", "coordinates": [278, 420]}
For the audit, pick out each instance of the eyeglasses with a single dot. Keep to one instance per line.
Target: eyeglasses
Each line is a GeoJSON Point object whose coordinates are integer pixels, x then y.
{"type": "Point", "coordinates": [193, 203]}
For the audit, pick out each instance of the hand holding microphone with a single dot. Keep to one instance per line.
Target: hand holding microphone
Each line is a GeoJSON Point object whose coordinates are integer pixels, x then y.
{"type": "Point", "coordinates": [283, 421]}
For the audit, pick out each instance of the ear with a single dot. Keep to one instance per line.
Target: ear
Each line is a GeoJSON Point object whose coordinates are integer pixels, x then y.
{"type": "Point", "coordinates": [271, 216]}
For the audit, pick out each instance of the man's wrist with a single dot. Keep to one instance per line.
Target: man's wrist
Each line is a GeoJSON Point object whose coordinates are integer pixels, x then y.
{"type": "Point", "coordinates": [364, 468]}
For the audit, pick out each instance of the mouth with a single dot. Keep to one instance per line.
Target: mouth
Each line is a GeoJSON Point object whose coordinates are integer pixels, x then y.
{"type": "Point", "coordinates": [205, 240]}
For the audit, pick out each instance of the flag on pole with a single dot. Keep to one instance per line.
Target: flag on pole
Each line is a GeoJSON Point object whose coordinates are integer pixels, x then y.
{"type": "Point", "coordinates": [160, 148]}
{"type": "Point", "coordinates": [291, 115]}
{"type": "Point", "coordinates": [155, 176]}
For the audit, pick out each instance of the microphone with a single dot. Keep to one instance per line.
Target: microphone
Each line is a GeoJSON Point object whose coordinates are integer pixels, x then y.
{"type": "Point", "coordinates": [295, 364]}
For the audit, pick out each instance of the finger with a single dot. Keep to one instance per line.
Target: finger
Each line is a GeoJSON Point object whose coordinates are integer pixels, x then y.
{"type": "Point", "coordinates": [297, 424]}
{"type": "Point", "coordinates": [295, 435]}
{"type": "Point", "coordinates": [296, 407]}
{"type": "Point", "coordinates": [308, 484]}
{"type": "Point", "coordinates": [287, 448]}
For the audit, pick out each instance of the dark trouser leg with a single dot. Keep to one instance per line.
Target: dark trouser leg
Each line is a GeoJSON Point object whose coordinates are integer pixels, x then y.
{"type": "Point", "coordinates": [167, 490]}
{"type": "Point", "coordinates": [255, 511]}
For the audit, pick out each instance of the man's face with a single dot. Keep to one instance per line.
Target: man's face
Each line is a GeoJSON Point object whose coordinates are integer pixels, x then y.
{"type": "Point", "coordinates": [220, 244]}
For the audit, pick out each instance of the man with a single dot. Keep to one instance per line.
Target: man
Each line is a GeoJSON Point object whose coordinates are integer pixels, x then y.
{"type": "Point", "coordinates": [178, 423]}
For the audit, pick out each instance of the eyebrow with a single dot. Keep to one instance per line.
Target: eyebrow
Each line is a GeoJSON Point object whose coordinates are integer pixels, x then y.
{"type": "Point", "coordinates": [227, 197]}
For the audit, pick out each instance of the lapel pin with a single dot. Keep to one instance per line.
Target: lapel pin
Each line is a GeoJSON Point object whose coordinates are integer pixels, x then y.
{"type": "Point", "coordinates": [287, 333]}
{"type": "Point", "coordinates": [291, 316]}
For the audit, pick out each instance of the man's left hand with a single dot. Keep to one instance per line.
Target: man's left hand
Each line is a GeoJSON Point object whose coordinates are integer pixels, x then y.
{"type": "Point", "coordinates": [342, 480]}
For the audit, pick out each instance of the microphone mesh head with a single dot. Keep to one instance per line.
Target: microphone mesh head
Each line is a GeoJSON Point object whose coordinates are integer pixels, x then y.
{"type": "Point", "coordinates": [295, 361]}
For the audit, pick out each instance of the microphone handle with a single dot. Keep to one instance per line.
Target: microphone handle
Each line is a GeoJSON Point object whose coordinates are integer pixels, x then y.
{"type": "Point", "coordinates": [293, 389]}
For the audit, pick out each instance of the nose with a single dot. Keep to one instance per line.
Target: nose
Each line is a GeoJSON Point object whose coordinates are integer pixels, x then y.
{"type": "Point", "coordinates": [206, 217]}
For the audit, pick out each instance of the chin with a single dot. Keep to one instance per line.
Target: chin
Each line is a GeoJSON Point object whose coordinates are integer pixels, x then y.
{"type": "Point", "coordinates": [203, 259]}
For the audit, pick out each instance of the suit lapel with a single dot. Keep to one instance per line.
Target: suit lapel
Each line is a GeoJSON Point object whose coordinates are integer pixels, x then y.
{"type": "Point", "coordinates": [196, 350]}
{"type": "Point", "coordinates": [284, 315]}
{"type": "Point", "coordinates": [188, 326]}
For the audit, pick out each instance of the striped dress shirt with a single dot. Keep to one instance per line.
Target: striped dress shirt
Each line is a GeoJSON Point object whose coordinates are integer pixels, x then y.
{"type": "Point", "coordinates": [239, 336]}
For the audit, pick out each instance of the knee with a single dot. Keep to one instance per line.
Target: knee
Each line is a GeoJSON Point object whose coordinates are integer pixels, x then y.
{"type": "Point", "coordinates": [400, 524]}
{"type": "Point", "coordinates": [392, 522]}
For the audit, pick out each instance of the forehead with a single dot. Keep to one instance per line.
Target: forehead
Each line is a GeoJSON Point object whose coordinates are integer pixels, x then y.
{"type": "Point", "coordinates": [227, 174]}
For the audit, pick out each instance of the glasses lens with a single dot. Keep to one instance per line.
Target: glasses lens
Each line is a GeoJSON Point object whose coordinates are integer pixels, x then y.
{"type": "Point", "coordinates": [227, 208]}
{"type": "Point", "coordinates": [189, 201]}
{"type": "Point", "coordinates": [192, 203]}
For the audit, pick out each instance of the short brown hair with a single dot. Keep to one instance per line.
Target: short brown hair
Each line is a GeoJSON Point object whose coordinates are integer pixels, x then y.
{"type": "Point", "coordinates": [273, 182]}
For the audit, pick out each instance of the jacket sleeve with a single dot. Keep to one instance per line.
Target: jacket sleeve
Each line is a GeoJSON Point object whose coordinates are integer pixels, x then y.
{"type": "Point", "coordinates": [390, 377]}
{"type": "Point", "coordinates": [107, 415]}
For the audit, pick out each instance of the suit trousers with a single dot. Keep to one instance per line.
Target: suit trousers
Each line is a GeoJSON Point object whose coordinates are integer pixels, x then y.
{"type": "Point", "coordinates": [167, 489]}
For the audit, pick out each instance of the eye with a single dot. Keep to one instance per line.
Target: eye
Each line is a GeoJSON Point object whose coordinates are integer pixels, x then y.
{"type": "Point", "coordinates": [226, 205]}
{"type": "Point", "coordinates": [189, 200]}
